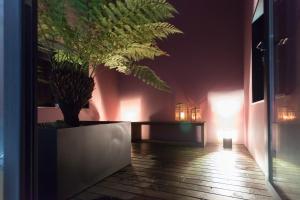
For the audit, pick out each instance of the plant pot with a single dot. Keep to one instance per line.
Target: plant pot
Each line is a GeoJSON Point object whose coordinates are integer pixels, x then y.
{"type": "Point", "coordinates": [73, 159]}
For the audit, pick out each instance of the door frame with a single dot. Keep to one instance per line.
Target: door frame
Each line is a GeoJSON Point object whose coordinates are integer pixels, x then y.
{"type": "Point", "coordinates": [270, 62]}
{"type": "Point", "coordinates": [19, 98]}
{"type": "Point", "coordinates": [269, 88]}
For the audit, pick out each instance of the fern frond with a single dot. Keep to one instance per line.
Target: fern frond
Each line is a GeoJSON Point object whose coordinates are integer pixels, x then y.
{"type": "Point", "coordinates": [159, 30]}
{"type": "Point", "coordinates": [148, 76]}
{"type": "Point", "coordinates": [137, 52]}
{"type": "Point", "coordinates": [117, 62]}
{"type": "Point", "coordinates": [113, 33]}
{"type": "Point", "coordinates": [146, 33]}
{"type": "Point", "coordinates": [162, 7]}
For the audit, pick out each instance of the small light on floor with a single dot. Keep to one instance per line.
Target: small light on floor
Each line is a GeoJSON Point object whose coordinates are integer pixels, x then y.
{"type": "Point", "coordinates": [227, 137]}
{"type": "Point", "coordinates": [227, 143]}
{"type": "Point", "coordinates": [227, 140]}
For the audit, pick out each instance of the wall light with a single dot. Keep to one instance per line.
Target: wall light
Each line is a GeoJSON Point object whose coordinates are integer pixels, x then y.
{"type": "Point", "coordinates": [130, 109]}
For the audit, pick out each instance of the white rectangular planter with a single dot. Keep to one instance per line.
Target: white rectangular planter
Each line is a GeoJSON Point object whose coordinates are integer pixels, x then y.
{"type": "Point", "coordinates": [82, 156]}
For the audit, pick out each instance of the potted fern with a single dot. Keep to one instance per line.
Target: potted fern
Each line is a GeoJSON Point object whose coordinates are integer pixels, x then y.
{"type": "Point", "coordinates": [82, 35]}
{"type": "Point", "coordinates": [86, 34]}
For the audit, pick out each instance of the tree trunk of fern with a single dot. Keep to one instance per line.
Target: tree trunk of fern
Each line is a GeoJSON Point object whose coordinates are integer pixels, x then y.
{"type": "Point", "coordinates": [72, 87]}
{"type": "Point", "coordinates": [70, 113]}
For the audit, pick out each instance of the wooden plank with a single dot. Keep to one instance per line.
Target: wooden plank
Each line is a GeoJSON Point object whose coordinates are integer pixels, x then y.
{"type": "Point", "coordinates": [167, 191]}
{"type": "Point", "coordinates": [199, 163]}
{"type": "Point", "coordinates": [199, 158]}
{"type": "Point", "coordinates": [87, 196]}
{"type": "Point", "coordinates": [144, 192]}
{"type": "Point", "coordinates": [204, 156]}
{"type": "Point", "coordinates": [139, 181]}
{"type": "Point", "coordinates": [228, 172]}
{"type": "Point", "coordinates": [116, 193]}
{"type": "Point", "coordinates": [232, 181]}
{"type": "Point", "coordinates": [263, 191]}
{"type": "Point", "coordinates": [160, 171]}
{"type": "Point", "coordinates": [202, 168]}
{"type": "Point", "coordinates": [208, 173]}
{"type": "Point", "coordinates": [197, 179]}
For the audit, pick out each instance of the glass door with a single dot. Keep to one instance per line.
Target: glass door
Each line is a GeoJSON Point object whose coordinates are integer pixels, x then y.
{"type": "Point", "coordinates": [1, 96]}
{"type": "Point", "coordinates": [286, 99]}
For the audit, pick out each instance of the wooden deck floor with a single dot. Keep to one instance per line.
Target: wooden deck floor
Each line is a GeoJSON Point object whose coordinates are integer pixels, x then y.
{"type": "Point", "coordinates": [161, 171]}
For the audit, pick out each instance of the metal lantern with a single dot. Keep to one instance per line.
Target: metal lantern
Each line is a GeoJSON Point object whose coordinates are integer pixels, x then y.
{"type": "Point", "coordinates": [195, 114]}
{"type": "Point", "coordinates": [181, 112]}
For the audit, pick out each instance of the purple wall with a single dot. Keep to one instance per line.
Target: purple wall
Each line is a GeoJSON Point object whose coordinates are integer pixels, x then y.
{"type": "Point", "coordinates": [207, 59]}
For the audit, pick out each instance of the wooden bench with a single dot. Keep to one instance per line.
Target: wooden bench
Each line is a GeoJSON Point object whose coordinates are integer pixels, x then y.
{"type": "Point", "coordinates": [170, 132]}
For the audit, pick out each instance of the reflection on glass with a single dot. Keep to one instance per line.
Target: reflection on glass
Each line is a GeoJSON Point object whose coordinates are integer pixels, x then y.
{"type": "Point", "coordinates": [286, 122]}
{"type": "Point", "coordinates": [285, 114]}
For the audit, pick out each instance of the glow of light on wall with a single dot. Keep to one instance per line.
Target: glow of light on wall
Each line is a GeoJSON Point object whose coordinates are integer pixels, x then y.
{"type": "Point", "coordinates": [226, 112]}
{"type": "Point", "coordinates": [226, 105]}
{"type": "Point", "coordinates": [227, 134]}
{"type": "Point", "coordinates": [130, 109]}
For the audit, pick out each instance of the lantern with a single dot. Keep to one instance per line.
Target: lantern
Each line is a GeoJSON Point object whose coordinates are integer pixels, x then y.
{"type": "Point", "coordinates": [286, 114]}
{"type": "Point", "coordinates": [181, 112]}
{"type": "Point", "coordinates": [195, 114]}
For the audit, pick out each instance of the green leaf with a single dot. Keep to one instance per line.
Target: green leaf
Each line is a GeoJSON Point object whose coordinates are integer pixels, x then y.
{"type": "Point", "coordinates": [117, 34]}
{"type": "Point", "coordinates": [149, 77]}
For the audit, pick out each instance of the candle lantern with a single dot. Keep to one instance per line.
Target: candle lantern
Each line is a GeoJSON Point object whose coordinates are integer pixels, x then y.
{"type": "Point", "coordinates": [181, 112]}
{"type": "Point", "coordinates": [286, 114]}
{"type": "Point", "coordinates": [195, 114]}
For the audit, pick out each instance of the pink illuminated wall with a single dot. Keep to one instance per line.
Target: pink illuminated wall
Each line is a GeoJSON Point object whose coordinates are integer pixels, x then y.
{"type": "Point", "coordinates": [224, 118]}
{"type": "Point", "coordinates": [206, 64]}
{"type": "Point", "coordinates": [255, 2]}
{"type": "Point", "coordinates": [106, 95]}
{"type": "Point", "coordinates": [207, 59]}
{"type": "Point", "coordinates": [255, 113]}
